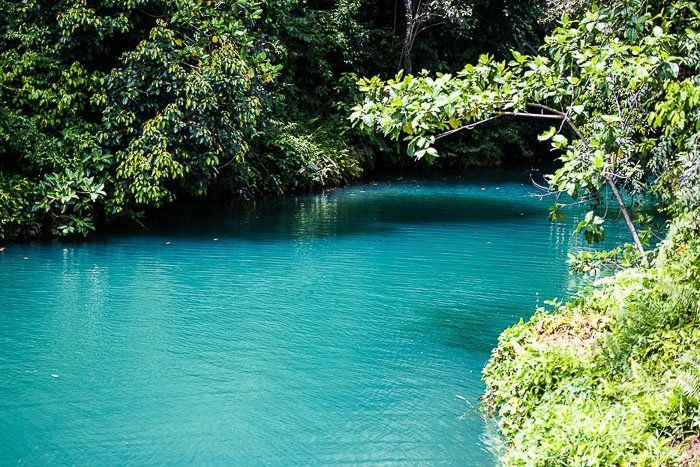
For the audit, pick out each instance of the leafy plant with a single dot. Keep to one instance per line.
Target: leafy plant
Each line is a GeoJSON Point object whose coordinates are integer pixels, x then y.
{"type": "Point", "coordinates": [608, 378]}
{"type": "Point", "coordinates": [594, 78]}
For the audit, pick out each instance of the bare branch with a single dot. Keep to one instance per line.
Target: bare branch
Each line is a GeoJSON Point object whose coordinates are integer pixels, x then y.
{"type": "Point", "coordinates": [466, 127]}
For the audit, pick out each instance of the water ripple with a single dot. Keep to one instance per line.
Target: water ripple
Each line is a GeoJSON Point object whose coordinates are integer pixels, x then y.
{"type": "Point", "coordinates": [347, 327]}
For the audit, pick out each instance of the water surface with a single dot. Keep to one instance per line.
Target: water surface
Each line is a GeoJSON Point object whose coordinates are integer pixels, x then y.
{"type": "Point", "coordinates": [345, 327]}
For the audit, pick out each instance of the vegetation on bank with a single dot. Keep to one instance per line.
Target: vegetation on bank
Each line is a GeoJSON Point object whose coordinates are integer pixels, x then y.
{"type": "Point", "coordinates": [613, 376]}
{"type": "Point", "coordinates": [109, 108]}
{"type": "Point", "coordinates": [609, 378]}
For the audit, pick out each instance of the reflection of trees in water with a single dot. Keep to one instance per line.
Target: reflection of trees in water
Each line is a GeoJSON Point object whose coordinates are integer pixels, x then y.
{"type": "Point", "coordinates": [362, 210]}
{"type": "Point", "coordinates": [564, 241]}
{"type": "Point", "coordinates": [353, 213]}
{"type": "Point", "coordinates": [315, 217]}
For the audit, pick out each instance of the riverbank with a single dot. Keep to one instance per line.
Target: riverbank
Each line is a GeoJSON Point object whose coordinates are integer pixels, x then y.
{"type": "Point", "coordinates": [610, 377]}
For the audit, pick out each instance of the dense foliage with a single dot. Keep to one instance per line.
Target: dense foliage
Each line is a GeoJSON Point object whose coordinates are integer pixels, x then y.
{"type": "Point", "coordinates": [115, 107]}
{"type": "Point", "coordinates": [594, 79]}
{"type": "Point", "coordinates": [109, 108]}
{"type": "Point", "coordinates": [612, 377]}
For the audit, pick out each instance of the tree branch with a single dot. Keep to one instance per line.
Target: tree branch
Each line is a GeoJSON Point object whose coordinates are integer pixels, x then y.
{"type": "Point", "coordinates": [555, 114]}
{"type": "Point", "coordinates": [466, 127]}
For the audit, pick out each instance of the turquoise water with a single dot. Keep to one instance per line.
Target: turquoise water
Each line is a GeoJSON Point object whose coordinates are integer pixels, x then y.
{"type": "Point", "coordinates": [344, 327]}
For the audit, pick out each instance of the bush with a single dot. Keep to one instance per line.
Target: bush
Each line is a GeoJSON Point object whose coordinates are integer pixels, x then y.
{"type": "Point", "coordinates": [609, 378]}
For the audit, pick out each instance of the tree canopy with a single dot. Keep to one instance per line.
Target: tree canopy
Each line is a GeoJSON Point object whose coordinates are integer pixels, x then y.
{"type": "Point", "coordinates": [110, 108]}
{"type": "Point", "coordinates": [619, 87]}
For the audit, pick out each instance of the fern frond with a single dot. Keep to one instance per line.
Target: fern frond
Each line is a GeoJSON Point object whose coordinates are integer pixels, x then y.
{"type": "Point", "coordinates": [689, 379]}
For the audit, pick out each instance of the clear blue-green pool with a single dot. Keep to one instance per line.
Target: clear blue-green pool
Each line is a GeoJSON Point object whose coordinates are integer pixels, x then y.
{"type": "Point", "coordinates": [345, 327]}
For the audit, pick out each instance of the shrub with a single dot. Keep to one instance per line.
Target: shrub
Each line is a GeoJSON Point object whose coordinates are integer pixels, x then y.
{"type": "Point", "coordinates": [608, 378]}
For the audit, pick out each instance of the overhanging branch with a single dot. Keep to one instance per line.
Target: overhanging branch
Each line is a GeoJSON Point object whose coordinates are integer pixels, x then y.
{"type": "Point", "coordinates": [555, 114]}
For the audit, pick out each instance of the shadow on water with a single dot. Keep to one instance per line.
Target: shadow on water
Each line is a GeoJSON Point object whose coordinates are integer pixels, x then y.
{"type": "Point", "coordinates": [359, 210]}
{"type": "Point", "coordinates": [469, 328]}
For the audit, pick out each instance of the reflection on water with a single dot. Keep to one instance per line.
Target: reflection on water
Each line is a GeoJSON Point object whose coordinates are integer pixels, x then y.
{"type": "Point", "coordinates": [345, 327]}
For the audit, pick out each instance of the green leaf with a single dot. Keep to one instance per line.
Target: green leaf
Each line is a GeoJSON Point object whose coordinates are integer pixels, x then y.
{"type": "Point", "coordinates": [547, 134]}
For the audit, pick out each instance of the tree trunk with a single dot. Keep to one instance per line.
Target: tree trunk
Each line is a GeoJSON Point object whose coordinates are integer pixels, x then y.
{"type": "Point", "coordinates": [559, 115]}
{"type": "Point", "coordinates": [608, 178]}
{"type": "Point", "coordinates": [405, 60]}
{"type": "Point", "coordinates": [628, 219]}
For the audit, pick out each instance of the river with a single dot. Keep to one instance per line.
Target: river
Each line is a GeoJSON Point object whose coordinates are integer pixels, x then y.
{"type": "Point", "coordinates": [343, 327]}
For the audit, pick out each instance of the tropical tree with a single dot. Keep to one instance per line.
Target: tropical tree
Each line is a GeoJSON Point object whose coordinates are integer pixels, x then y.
{"type": "Point", "coordinates": [109, 108]}
{"type": "Point", "coordinates": [423, 14]}
{"type": "Point", "coordinates": [598, 80]}
{"type": "Point", "coordinates": [116, 106]}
